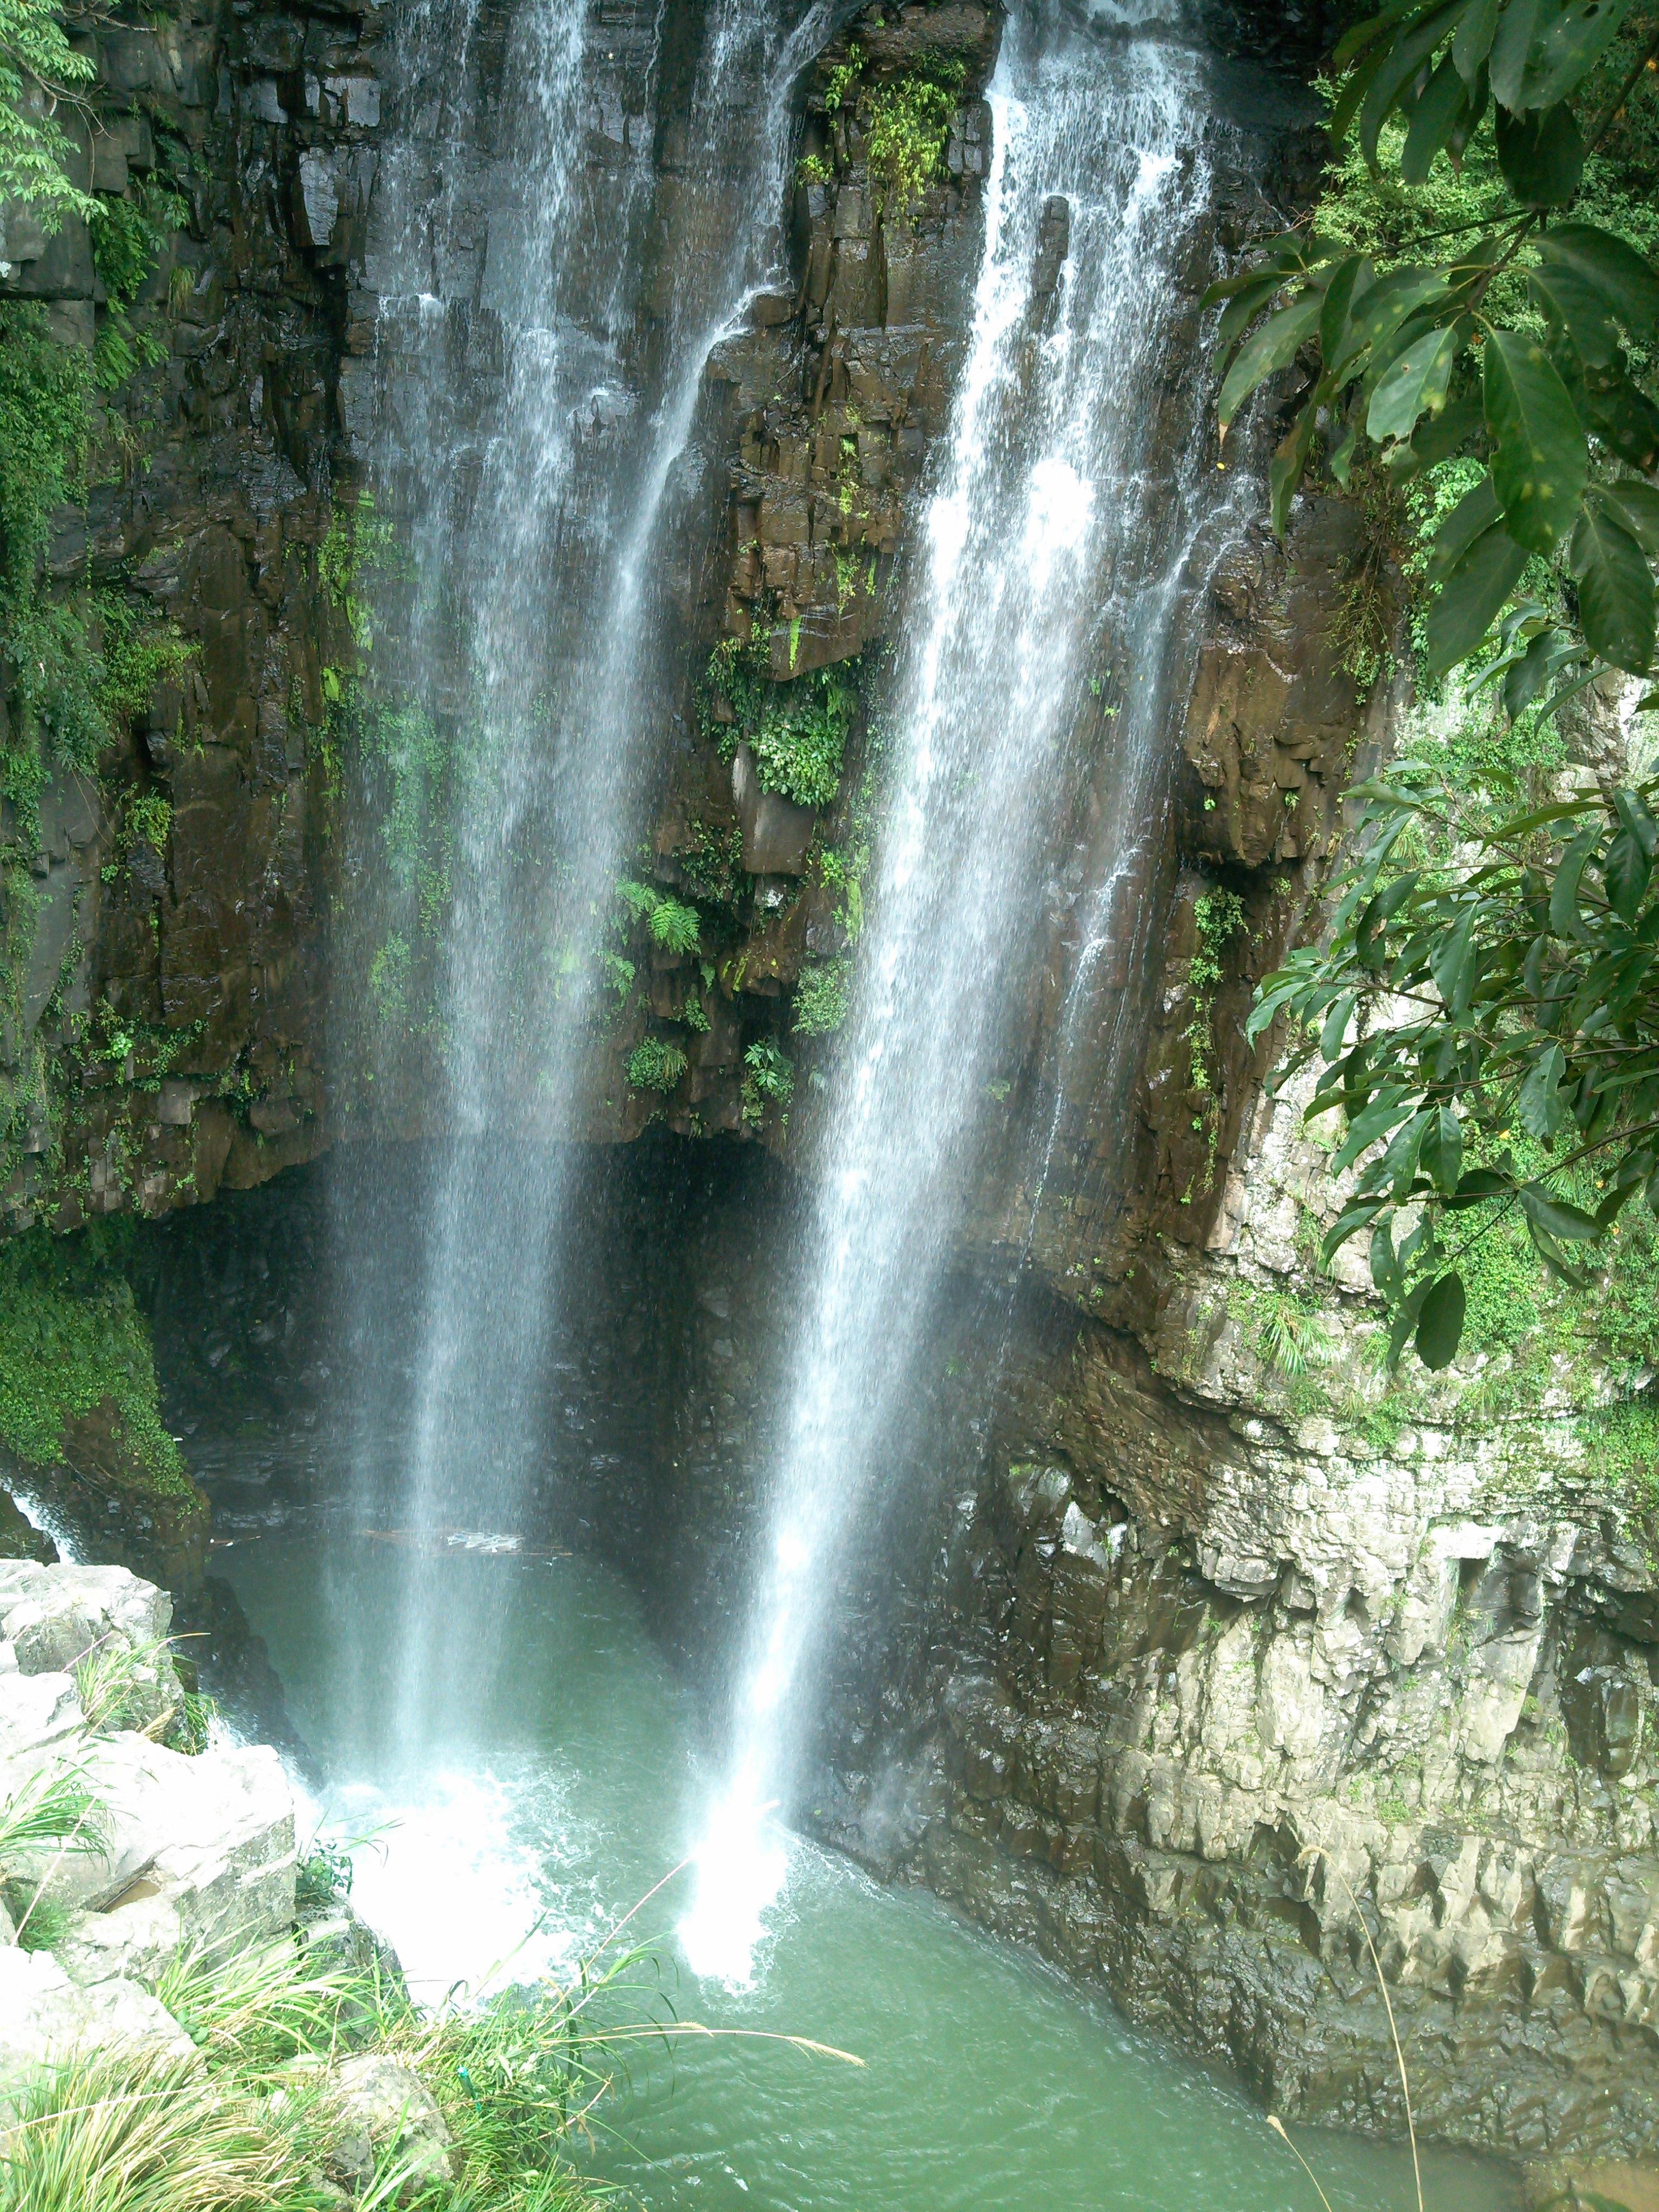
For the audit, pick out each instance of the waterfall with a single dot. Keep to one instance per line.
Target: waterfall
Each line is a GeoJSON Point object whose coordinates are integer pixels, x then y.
{"type": "Point", "coordinates": [536, 487]}
{"type": "Point", "coordinates": [1056, 543]}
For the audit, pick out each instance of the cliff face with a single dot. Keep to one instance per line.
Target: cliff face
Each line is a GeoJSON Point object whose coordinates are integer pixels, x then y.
{"type": "Point", "coordinates": [165, 922]}
{"type": "Point", "coordinates": [1177, 1647]}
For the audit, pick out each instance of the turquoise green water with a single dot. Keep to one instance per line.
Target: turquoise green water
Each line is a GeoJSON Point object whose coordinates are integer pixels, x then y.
{"type": "Point", "coordinates": [556, 1778]}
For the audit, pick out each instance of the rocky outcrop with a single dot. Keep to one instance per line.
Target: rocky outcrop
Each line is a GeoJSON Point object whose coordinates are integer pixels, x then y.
{"type": "Point", "coordinates": [154, 1851]}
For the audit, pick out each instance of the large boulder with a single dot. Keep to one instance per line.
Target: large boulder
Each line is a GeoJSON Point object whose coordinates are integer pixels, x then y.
{"type": "Point", "coordinates": [381, 2107]}
{"type": "Point", "coordinates": [200, 1854]}
{"type": "Point", "coordinates": [57, 1619]}
{"type": "Point", "coordinates": [45, 2018]}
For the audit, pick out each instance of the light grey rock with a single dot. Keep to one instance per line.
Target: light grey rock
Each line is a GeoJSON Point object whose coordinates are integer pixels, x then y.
{"type": "Point", "coordinates": [40, 1714]}
{"type": "Point", "coordinates": [54, 1618]}
{"type": "Point", "coordinates": [200, 1852]}
{"type": "Point", "coordinates": [319, 199]}
{"type": "Point", "coordinates": [45, 2018]}
{"type": "Point", "coordinates": [141, 1613]}
{"type": "Point", "coordinates": [382, 2106]}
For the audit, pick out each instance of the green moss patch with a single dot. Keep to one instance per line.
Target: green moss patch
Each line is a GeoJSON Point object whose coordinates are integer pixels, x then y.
{"type": "Point", "coordinates": [72, 1341]}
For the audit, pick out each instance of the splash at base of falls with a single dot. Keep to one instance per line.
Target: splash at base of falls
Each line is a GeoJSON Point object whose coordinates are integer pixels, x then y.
{"type": "Point", "coordinates": [742, 1865]}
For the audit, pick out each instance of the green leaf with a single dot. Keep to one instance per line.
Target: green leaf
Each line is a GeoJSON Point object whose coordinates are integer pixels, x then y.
{"type": "Point", "coordinates": [1625, 872]}
{"type": "Point", "coordinates": [1453, 962]}
{"type": "Point", "coordinates": [1615, 589]}
{"type": "Point", "coordinates": [1336, 1024]}
{"type": "Point", "coordinates": [1272, 348]}
{"type": "Point", "coordinates": [1626, 280]}
{"type": "Point", "coordinates": [1541, 461]}
{"type": "Point", "coordinates": [1440, 1321]}
{"type": "Point", "coordinates": [1541, 156]}
{"type": "Point", "coordinates": [1554, 1216]}
{"type": "Point", "coordinates": [1623, 418]}
{"type": "Point", "coordinates": [1357, 84]}
{"type": "Point", "coordinates": [1475, 512]}
{"type": "Point", "coordinates": [1471, 597]}
{"type": "Point", "coordinates": [1475, 1187]}
{"type": "Point", "coordinates": [1405, 1318]}
{"type": "Point", "coordinates": [1407, 52]}
{"type": "Point", "coordinates": [1570, 47]}
{"type": "Point", "coordinates": [1637, 507]}
{"type": "Point", "coordinates": [1368, 948]}
{"type": "Point", "coordinates": [1365, 1129]}
{"type": "Point", "coordinates": [1443, 1150]}
{"type": "Point", "coordinates": [1512, 45]}
{"type": "Point", "coordinates": [1242, 310]}
{"type": "Point", "coordinates": [1473, 40]}
{"type": "Point", "coordinates": [1563, 892]}
{"type": "Point", "coordinates": [1631, 809]}
{"type": "Point", "coordinates": [1379, 311]}
{"type": "Point", "coordinates": [1362, 35]}
{"type": "Point", "coordinates": [1443, 434]}
{"type": "Point", "coordinates": [1581, 311]}
{"type": "Point", "coordinates": [1289, 463]}
{"type": "Point", "coordinates": [1414, 384]}
{"type": "Point", "coordinates": [1353, 1219]}
{"type": "Point", "coordinates": [1442, 102]}
{"type": "Point", "coordinates": [1526, 678]}
{"type": "Point", "coordinates": [1385, 1268]}
{"type": "Point", "coordinates": [1349, 281]}
{"type": "Point", "coordinates": [1398, 1165]}
{"type": "Point", "coordinates": [1538, 1106]}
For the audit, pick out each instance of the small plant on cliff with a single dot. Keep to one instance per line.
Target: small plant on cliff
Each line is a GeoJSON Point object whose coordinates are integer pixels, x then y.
{"type": "Point", "coordinates": [655, 1065]}
{"type": "Point", "coordinates": [712, 864]}
{"type": "Point", "coordinates": [149, 821]}
{"type": "Point", "coordinates": [53, 1810]}
{"type": "Point", "coordinates": [768, 1080]}
{"type": "Point", "coordinates": [357, 545]}
{"type": "Point", "coordinates": [675, 926]}
{"type": "Point", "coordinates": [1218, 916]}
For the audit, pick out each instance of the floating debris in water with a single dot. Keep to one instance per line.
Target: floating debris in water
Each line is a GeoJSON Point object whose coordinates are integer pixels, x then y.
{"type": "Point", "coordinates": [490, 1543]}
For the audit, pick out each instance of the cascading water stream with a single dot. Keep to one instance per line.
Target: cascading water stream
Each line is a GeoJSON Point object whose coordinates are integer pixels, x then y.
{"type": "Point", "coordinates": [1054, 547]}
{"type": "Point", "coordinates": [536, 539]}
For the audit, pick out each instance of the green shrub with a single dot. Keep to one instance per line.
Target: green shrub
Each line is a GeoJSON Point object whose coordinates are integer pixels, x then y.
{"type": "Point", "coordinates": [821, 997]}
{"type": "Point", "coordinates": [906, 123]}
{"type": "Point", "coordinates": [148, 821]}
{"type": "Point", "coordinates": [654, 1065]}
{"type": "Point", "coordinates": [35, 52]}
{"type": "Point", "coordinates": [712, 865]}
{"type": "Point", "coordinates": [797, 731]}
